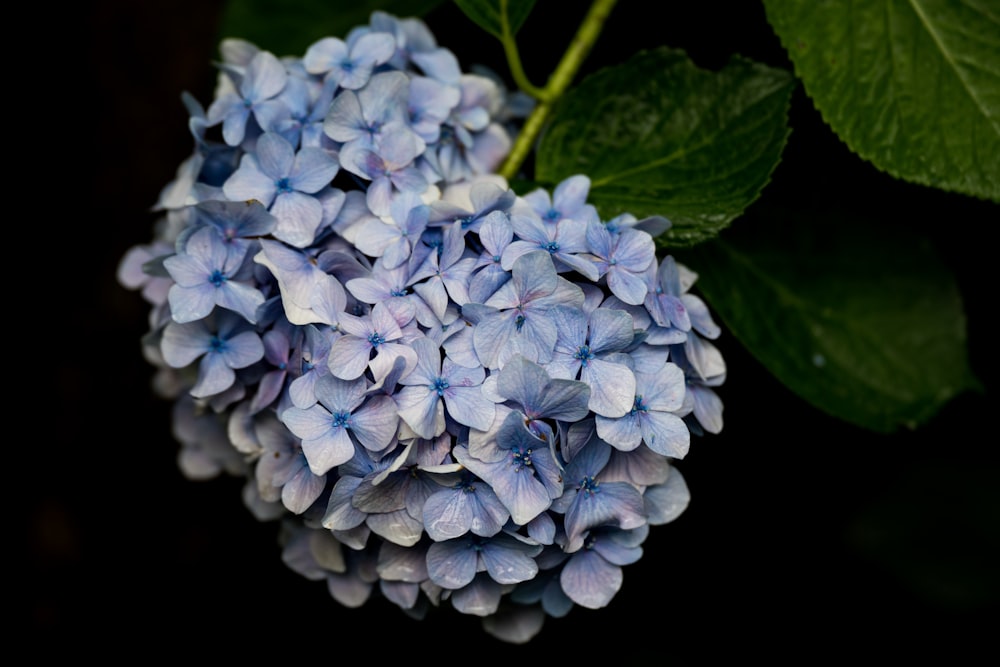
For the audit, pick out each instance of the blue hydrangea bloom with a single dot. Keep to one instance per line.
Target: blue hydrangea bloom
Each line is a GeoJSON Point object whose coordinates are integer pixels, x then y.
{"type": "Point", "coordinates": [445, 393]}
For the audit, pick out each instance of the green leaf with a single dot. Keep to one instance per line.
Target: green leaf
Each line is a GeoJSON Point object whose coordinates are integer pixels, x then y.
{"type": "Point", "coordinates": [289, 27]}
{"type": "Point", "coordinates": [659, 136]}
{"type": "Point", "coordinates": [863, 321]}
{"type": "Point", "coordinates": [912, 86]}
{"type": "Point", "coordinates": [488, 14]}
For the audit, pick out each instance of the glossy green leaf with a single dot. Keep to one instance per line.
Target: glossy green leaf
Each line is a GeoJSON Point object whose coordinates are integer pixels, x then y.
{"type": "Point", "coordinates": [862, 320]}
{"type": "Point", "coordinates": [659, 136]}
{"type": "Point", "coordinates": [913, 86]}
{"type": "Point", "coordinates": [488, 14]}
{"type": "Point", "coordinates": [289, 27]}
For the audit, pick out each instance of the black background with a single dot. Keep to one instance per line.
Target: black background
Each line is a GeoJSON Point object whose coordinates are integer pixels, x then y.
{"type": "Point", "coordinates": [806, 537]}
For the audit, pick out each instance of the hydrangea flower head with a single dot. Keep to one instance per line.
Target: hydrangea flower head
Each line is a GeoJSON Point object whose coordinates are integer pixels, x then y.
{"type": "Point", "coordinates": [448, 394]}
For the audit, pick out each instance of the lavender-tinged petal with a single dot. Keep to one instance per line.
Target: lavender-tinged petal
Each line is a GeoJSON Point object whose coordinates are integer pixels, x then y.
{"type": "Point", "coordinates": [507, 565]}
{"type": "Point", "coordinates": [662, 390]}
{"type": "Point", "coordinates": [328, 451]}
{"type": "Point", "coordinates": [299, 216]}
{"type": "Point", "coordinates": [422, 410]}
{"type": "Point", "coordinates": [243, 349]}
{"type": "Point", "coordinates": [348, 590]}
{"type": "Point", "coordinates": [490, 336]}
{"type": "Point", "coordinates": [480, 598]}
{"type": "Point", "coordinates": [707, 408]}
{"type": "Point", "coordinates": [610, 330]}
{"type": "Point", "coordinates": [190, 304]}
{"type": "Point", "coordinates": [434, 294]}
{"type": "Point", "coordinates": [271, 113]}
{"type": "Point", "coordinates": [468, 406]}
{"type": "Point", "coordinates": [214, 376]}
{"type": "Point", "coordinates": [452, 564]}
{"type": "Point", "coordinates": [627, 286]}
{"type": "Point", "coordinates": [266, 77]}
{"type": "Point", "coordinates": [565, 400]}
{"type": "Point", "coordinates": [612, 388]}
{"type": "Point", "coordinates": [182, 343]}
{"type": "Point", "coordinates": [299, 493]}
{"type": "Point", "coordinates": [348, 357]}
{"type": "Point", "coordinates": [324, 54]}
{"type": "Point", "coordinates": [523, 495]}
{"type": "Point", "coordinates": [375, 424]}
{"type": "Point", "coordinates": [248, 182]}
{"type": "Point", "coordinates": [589, 580]}
{"type": "Point", "coordinates": [448, 513]}
{"type": "Point", "coordinates": [665, 433]}
{"type": "Point", "coordinates": [665, 502]}
{"type": "Point", "coordinates": [397, 527]}
{"type": "Point", "coordinates": [701, 318]}
{"type": "Point", "coordinates": [340, 511]}
{"type": "Point", "coordinates": [309, 423]}
{"type": "Point", "coordinates": [241, 298]}
{"type": "Point", "coordinates": [345, 118]}
{"type": "Point", "coordinates": [274, 155]}
{"type": "Point", "coordinates": [704, 357]}
{"type": "Point", "coordinates": [522, 381]}
{"type": "Point", "coordinates": [517, 624]}
{"type": "Point", "coordinates": [614, 503]}
{"type": "Point", "coordinates": [623, 433]}
{"type": "Point", "coordinates": [313, 170]}
{"type": "Point", "coordinates": [397, 563]}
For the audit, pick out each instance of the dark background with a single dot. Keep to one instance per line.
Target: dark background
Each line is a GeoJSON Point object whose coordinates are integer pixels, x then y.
{"type": "Point", "coordinates": [806, 537]}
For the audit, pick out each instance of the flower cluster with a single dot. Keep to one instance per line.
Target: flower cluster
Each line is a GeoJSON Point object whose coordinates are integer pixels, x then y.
{"type": "Point", "coordinates": [445, 391]}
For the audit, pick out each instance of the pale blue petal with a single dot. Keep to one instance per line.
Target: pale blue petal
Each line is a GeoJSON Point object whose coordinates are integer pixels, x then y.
{"type": "Point", "coordinates": [522, 381]}
{"type": "Point", "coordinates": [243, 349]}
{"type": "Point", "coordinates": [480, 598]}
{"type": "Point", "coordinates": [490, 336]}
{"type": "Point", "coordinates": [398, 563]}
{"type": "Point", "coordinates": [340, 511]}
{"type": "Point", "coordinates": [308, 423]}
{"type": "Point", "coordinates": [240, 298]}
{"type": "Point", "coordinates": [470, 407]}
{"type": "Point", "coordinates": [524, 496]}
{"type": "Point", "coordinates": [422, 410]}
{"type": "Point", "coordinates": [612, 388]}
{"type": "Point", "coordinates": [665, 502]}
{"type": "Point", "coordinates": [663, 390]}
{"type": "Point", "coordinates": [248, 182]}
{"type": "Point", "coordinates": [275, 155]}
{"type": "Point", "coordinates": [313, 169]}
{"type": "Point", "coordinates": [623, 433]}
{"type": "Point", "coordinates": [589, 580]}
{"type": "Point", "coordinates": [348, 357]}
{"type": "Point", "coordinates": [434, 294]}
{"type": "Point", "coordinates": [516, 624]}
{"type": "Point", "coordinates": [214, 376]}
{"type": "Point", "coordinates": [322, 55]}
{"type": "Point", "coordinates": [565, 400]}
{"type": "Point", "coordinates": [327, 451]}
{"type": "Point", "coordinates": [508, 565]}
{"type": "Point", "coordinates": [189, 304]}
{"type": "Point", "coordinates": [665, 433]}
{"type": "Point", "coordinates": [299, 216]}
{"type": "Point", "coordinates": [397, 527]}
{"type": "Point", "coordinates": [627, 286]}
{"type": "Point", "coordinates": [375, 424]}
{"type": "Point", "coordinates": [448, 513]}
{"type": "Point", "coordinates": [301, 491]}
{"type": "Point", "coordinates": [266, 77]}
{"type": "Point", "coordinates": [452, 564]}
{"type": "Point", "coordinates": [614, 503]}
{"type": "Point", "coordinates": [182, 343]}
{"type": "Point", "coordinates": [707, 408]}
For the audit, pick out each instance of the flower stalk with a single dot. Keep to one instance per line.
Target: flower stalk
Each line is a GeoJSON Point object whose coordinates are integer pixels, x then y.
{"type": "Point", "coordinates": [559, 81]}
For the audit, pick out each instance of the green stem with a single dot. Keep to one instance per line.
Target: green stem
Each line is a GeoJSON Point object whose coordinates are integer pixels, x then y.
{"type": "Point", "coordinates": [557, 84]}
